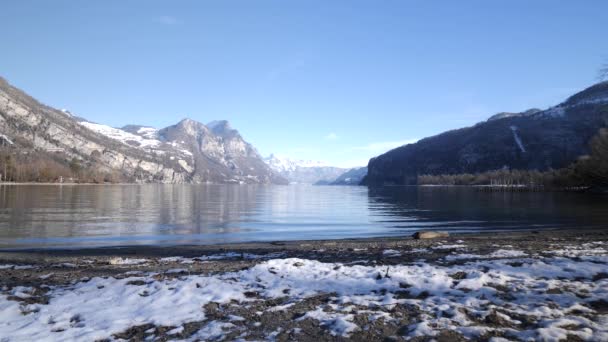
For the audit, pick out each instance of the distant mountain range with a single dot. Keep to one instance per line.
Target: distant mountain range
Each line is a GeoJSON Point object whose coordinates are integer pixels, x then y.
{"type": "Point", "coordinates": [303, 171]}
{"type": "Point", "coordinates": [193, 152]}
{"type": "Point", "coordinates": [531, 140]}
{"type": "Point", "coordinates": [350, 177]}
{"type": "Point", "coordinates": [187, 152]}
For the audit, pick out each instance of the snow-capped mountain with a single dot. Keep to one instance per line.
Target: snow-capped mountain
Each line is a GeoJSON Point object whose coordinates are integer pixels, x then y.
{"type": "Point", "coordinates": [285, 164]}
{"type": "Point", "coordinates": [188, 152]}
{"type": "Point", "coordinates": [303, 171]}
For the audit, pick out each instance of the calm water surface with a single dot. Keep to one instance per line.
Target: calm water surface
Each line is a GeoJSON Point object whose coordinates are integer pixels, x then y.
{"type": "Point", "coordinates": [88, 215]}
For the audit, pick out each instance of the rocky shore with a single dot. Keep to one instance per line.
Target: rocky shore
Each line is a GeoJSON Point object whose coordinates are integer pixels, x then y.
{"type": "Point", "coordinates": [547, 285]}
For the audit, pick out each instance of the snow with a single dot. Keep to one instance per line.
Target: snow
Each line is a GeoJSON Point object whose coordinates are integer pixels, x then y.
{"type": "Point", "coordinates": [16, 267]}
{"type": "Point", "coordinates": [284, 164]}
{"type": "Point", "coordinates": [127, 261]}
{"type": "Point", "coordinates": [99, 307]}
{"type": "Point", "coordinates": [517, 139]}
{"type": "Point", "coordinates": [507, 253]}
{"type": "Point", "coordinates": [455, 246]}
{"type": "Point", "coordinates": [5, 138]}
{"type": "Point", "coordinates": [122, 136]}
{"type": "Point", "coordinates": [222, 256]}
{"type": "Point", "coordinates": [595, 100]}
{"type": "Point", "coordinates": [184, 164]}
{"type": "Point", "coordinates": [338, 324]}
{"type": "Point", "coordinates": [148, 132]}
{"type": "Point", "coordinates": [391, 253]}
{"type": "Point", "coordinates": [500, 253]}
{"type": "Point", "coordinates": [556, 112]}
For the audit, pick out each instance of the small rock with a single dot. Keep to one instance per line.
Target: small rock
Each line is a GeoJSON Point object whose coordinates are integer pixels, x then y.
{"type": "Point", "coordinates": [430, 235]}
{"type": "Point", "coordinates": [136, 282]}
{"type": "Point", "coordinates": [600, 276]}
{"type": "Point", "coordinates": [459, 275]}
{"type": "Point", "coordinates": [554, 290]}
{"type": "Point", "coordinates": [250, 294]}
{"type": "Point", "coordinates": [601, 306]}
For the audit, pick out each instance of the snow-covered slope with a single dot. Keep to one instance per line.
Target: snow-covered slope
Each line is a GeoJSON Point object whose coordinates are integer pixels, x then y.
{"type": "Point", "coordinates": [143, 141]}
{"type": "Point", "coordinates": [193, 145]}
{"type": "Point", "coordinates": [303, 171]}
{"type": "Point", "coordinates": [285, 164]}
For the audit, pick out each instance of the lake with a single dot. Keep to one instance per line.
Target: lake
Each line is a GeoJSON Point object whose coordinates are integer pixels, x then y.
{"type": "Point", "coordinates": [112, 215]}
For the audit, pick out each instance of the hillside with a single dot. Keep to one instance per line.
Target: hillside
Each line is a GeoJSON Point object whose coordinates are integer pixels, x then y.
{"type": "Point", "coordinates": [40, 143]}
{"type": "Point", "coordinates": [531, 140]}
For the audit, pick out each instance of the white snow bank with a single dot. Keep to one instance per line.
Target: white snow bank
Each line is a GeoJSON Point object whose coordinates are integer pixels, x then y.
{"type": "Point", "coordinates": [500, 253]}
{"type": "Point", "coordinates": [455, 246]}
{"type": "Point", "coordinates": [337, 323]}
{"type": "Point", "coordinates": [127, 261]}
{"type": "Point", "coordinates": [391, 253]}
{"type": "Point", "coordinates": [16, 267]}
{"type": "Point", "coordinates": [98, 308]}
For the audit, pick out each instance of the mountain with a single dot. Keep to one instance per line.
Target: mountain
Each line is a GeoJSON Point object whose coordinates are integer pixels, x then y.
{"type": "Point", "coordinates": [532, 140]}
{"type": "Point", "coordinates": [350, 177]}
{"type": "Point", "coordinates": [303, 171]}
{"type": "Point", "coordinates": [188, 152]}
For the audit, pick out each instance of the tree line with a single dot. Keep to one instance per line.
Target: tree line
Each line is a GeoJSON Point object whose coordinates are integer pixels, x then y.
{"type": "Point", "coordinates": [588, 171]}
{"type": "Point", "coordinates": [38, 166]}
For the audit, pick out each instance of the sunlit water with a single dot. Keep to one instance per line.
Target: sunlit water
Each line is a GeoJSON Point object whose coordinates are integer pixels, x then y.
{"type": "Point", "coordinates": [110, 215]}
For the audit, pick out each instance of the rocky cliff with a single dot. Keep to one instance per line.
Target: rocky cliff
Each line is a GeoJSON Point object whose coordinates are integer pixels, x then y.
{"type": "Point", "coordinates": [188, 152]}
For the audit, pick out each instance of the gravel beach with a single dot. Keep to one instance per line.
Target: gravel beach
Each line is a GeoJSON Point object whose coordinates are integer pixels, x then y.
{"type": "Point", "coordinates": [511, 286]}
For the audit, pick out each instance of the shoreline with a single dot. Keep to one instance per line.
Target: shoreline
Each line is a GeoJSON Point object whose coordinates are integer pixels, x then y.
{"type": "Point", "coordinates": [505, 286]}
{"type": "Point", "coordinates": [193, 249]}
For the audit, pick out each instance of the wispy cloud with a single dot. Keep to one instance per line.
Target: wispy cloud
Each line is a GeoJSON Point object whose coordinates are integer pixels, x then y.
{"type": "Point", "coordinates": [331, 136]}
{"type": "Point", "coordinates": [383, 146]}
{"type": "Point", "coordinates": [166, 20]}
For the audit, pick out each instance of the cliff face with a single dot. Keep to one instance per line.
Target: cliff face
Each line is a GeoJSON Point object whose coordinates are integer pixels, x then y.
{"type": "Point", "coordinates": [218, 153]}
{"type": "Point", "coordinates": [533, 140]}
{"type": "Point", "coordinates": [187, 152]}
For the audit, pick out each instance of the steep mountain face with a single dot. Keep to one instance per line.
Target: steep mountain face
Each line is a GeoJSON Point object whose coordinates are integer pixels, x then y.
{"type": "Point", "coordinates": [351, 177]}
{"type": "Point", "coordinates": [219, 153]}
{"type": "Point", "coordinates": [303, 171]}
{"type": "Point", "coordinates": [533, 140]}
{"type": "Point", "coordinates": [188, 152]}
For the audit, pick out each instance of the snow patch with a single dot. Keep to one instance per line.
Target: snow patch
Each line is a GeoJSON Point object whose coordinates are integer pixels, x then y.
{"type": "Point", "coordinates": [97, 308]}
{"type": "Point", "coordinates": [122, 136]}
{"type": "Point", "coordinates": [127, 261]}
{"type": "Point", "coordinates": [518, 139]}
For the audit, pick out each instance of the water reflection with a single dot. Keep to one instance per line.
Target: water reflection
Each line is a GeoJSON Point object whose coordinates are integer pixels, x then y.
{"type": "Point", "coordinates": [464, 208]}
{"type": "Point", "coordinates": [38, 215]}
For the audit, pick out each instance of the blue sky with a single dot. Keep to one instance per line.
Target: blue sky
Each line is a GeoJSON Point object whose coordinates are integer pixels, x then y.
{"type": "Point", "coordinates": [339, 81]}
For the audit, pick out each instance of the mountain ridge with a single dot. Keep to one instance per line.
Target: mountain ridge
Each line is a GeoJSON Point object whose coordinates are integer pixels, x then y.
{"type": "Point", "coordinates": [187, 152]}
{"type": "Point", "coordinates": [303, 171]}
{"type": "Point", "coordinates": [531, 140]}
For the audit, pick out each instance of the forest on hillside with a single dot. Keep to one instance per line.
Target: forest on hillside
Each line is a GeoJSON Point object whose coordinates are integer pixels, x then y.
{"type": "Point", "coordinates": [588, 171]}
{"type": "Point", "coordinates": [17, 165]}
